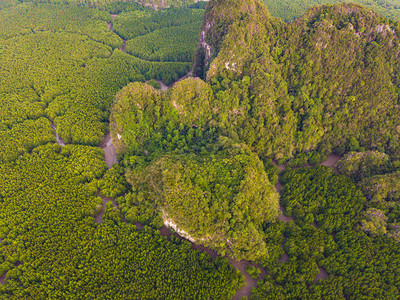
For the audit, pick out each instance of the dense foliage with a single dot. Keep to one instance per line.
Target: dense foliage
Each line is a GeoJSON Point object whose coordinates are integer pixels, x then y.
{"type": "Point", "coordinates": [59, 63]}
{"type": "Point", "coordinates": [113, 183]}
{"type": "Point", "coordinates": [216, 192]}
{"type": "Point", "coordinates": [325, 235]}
{"type": "Point", "coordinates": [131, 24]}
{"type": "Point", "coordinates": [177, 43]}
{"type": "Point", "coordinates": [289, 10]}
{"type": "Point", "coordinates": [109, 5]}
{"type": "Point", "coordinates": [34, 18]}
{"type": "Point", "coordinates": [290, 92]}
{"type": "Point", "coordinates": [52, 247]}
{"type": "Point", "coordinates": [160, 35]}
{"type": "Point", "coordinates": [146, 122]}
{"type": "Point", "coordinates": [359, 165]}
{"type": "Point", "coordinates": [377, 175]}
{"type": "Point", "coordinates": [327, 82]}
{"type": "Point", "coordinates": [75, 84]}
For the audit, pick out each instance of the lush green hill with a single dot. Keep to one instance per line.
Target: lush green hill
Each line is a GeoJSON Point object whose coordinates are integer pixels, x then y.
{"type": "Point", "coordinates": [327, 82]}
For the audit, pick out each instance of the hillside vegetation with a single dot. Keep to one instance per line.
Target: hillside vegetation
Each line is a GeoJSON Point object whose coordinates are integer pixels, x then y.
{"type": "Point", "coordinates": [219, 194]}
{"type": "Point", "coordinates": [327, 82]}
{"type": "Point", "coordinates": [290, 92]}
{"type": "Point", "coordinates": [289, 10]}
{"type": "Point", "coordinates": [377, 175]}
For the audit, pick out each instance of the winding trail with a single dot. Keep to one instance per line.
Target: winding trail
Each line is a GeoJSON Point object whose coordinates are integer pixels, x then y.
{"type": "Point", "coordinates": [330, 162]}
{"type": "Point", "coordinates": [99, 218]}
{"type": "Point", "coordinates": [110, 26]}
{"type": "Point", "coordinates": [250, 282]}
{"type": "Point", "coordinates": [110, 152]}
{"type": "Point", "coordinates": [59, 140]}
{"type": "Point", "coordinates": [163, 88]}
{"type": "Point", "coordinates": [285, 257]}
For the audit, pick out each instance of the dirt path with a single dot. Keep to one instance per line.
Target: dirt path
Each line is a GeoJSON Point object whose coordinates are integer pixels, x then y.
{"type": "Point", "coordinates": [250, 282]}
{"type": "Point", "coordinates": [110, 152]}
{"type": "Point", "coordinates": [99, 218]}
{"type": "Point", "coordinates": [285, 257]}
{"type": "Point", "coordinates": [188, 75]}
{"type": "Point", "coordinates": [59, 140]}
{"type": "Point", "coordinates": [3, 277]}
{"type": "Point", "coordinates": [321, 275]}
{"type": "Point", "coordinates": [279, 187]}
{"type": "Point", "coordinates": [165, 87]}
{"type": "Point", "coordinates": [329, 162]}
{"type": "Point", "coordinates": [110, 26]}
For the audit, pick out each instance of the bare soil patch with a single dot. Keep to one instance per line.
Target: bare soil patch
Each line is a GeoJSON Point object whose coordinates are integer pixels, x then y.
{"type": "Point", "coordinates": [321, 275]}
{"type": "Point", "coordinates": [110, 152]}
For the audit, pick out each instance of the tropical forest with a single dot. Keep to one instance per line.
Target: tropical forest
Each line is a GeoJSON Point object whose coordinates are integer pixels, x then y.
{"type": "Point", "coordinates": [185, 149]}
